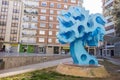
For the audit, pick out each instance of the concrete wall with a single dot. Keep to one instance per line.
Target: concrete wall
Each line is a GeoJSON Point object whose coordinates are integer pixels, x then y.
{"type": "Point", "coordinates": [17, 61]}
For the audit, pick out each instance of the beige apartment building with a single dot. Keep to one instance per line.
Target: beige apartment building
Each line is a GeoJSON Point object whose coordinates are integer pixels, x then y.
{"type": "Point", "coordinates": [31, 25]}
{"type": "Point", "coordinates": [10, 17]}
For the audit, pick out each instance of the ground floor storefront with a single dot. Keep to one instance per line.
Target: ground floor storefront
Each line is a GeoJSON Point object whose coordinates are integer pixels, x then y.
{"type": "Point", "coordinates": [43, 49]}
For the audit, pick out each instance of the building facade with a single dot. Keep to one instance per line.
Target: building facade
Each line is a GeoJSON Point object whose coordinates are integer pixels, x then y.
{"type": "Point", "coordinates": [107, 12]}
{"type": "Point", "coordinates": [48, 24]}
{"type": "Point", "coordinates": [109, 48]}
{"type": "Point", "coordinates": [31, 25]}
{"type": "Point", "coordinates": [10, 17]}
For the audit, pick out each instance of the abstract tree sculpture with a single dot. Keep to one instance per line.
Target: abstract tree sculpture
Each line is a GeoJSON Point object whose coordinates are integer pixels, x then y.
{"type": "Point", "coordinates": [79, 29]}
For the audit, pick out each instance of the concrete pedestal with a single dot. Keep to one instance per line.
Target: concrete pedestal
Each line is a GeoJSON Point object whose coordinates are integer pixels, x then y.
{"type": "Point", "coordinates": [82, 71]}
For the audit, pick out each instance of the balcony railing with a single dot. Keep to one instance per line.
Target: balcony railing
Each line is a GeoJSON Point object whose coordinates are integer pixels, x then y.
{"type": "Point", "coordinates": [31, 3]}
{"type": "Point", "coordinates": [29, 27]}
{"type": "Point", "coordinates": [107, 3]}
{"type": "Point", "coordinates": [28, 41]}
{"type": "Point", "coordinates": [28, 34]}
{"type": "Point", "coordinates": [26, 18]}
{"type": "Point", "coordinates": [34, 19]}
{"type": "Point", "coordinates": [31, 12]}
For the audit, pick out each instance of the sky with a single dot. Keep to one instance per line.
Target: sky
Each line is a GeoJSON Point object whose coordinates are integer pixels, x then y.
{"type": "Point", "coordinates": [94, 6]}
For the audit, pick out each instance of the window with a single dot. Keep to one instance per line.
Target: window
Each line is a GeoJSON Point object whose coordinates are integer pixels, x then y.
{"type": "Point", "coordinates": [50, 25]}
{"type": "Point", "coordinates": [16, 3]}
{"type": "Point", "coordinates": [43, 10]}
{"type": "Point", "coordinates": [14, 24]}
{"type": "Point", "coordinates": [2, 31]}
{"type": "Point", "coordinates": [52, 5]}
{"type": "Point", "coordinates": [2, 23]}
{"type": "Point", "coordinates": [13, 31]}
{"type": "Point", "coordinates": [3, 17]}
{"type": "Point", "coordinates": [42, 24]}
{"type": "Point", "coordinates": [58, 5]}
{"type": "Point", "coordinates": [41, 49]}
{"type": "Point", "coordinates": [66, 1]}
{"type": "Point", "coordinates": [15, 11]}
{"type": "Point", "coordinates": [58, 12]}
{"type": "Point", "coordinates": [65, 6]}
{"type": "Point", "coordinates": [4, 9]}
{"type": "Point", "coordinates": [49, 40]}
{"type": "Point", "coordinates": [56, 33]}
{"type": "Point", "coordinates": [51, 11]}
{"type": "Point", "coordinates": [57, 26]}
{"type": "Point", "coordinates": [15, 17]}
{"type": "Point", "coordinates": [42, 17]}
{"type": "Point", "coordinates": [57, 41]}
{"type": "Point", "coordinates": [73, 1]}
{"type": "Point", "coordinates": [41, 40]}
{"type": "Point", "coordinates": [13, 39]}
{"type": "Point", "coordinates": [50, 32]}
{"type": "Point", "coordinates": [34, 18]}
{"type": "Point", "coordinates": [44, 4]}
{"type": "Point", "coordinates": [5, 3]}
{"type": "Point", "coordinates": [51, 18]}
{"type": "Point", "coordinates": [41, 32]}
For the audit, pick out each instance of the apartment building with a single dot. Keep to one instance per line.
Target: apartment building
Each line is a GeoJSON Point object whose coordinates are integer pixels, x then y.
{"type": "Point", "coordinates": [39, 25]}
{"type": "Point", "coordinates": [107, 12]}
{"type": "Point", "coordinates": [10, 16]}
{"type": "Point", "coordinates": [29, 26]}
{"type": "Point", "coordinates": [110, 29]}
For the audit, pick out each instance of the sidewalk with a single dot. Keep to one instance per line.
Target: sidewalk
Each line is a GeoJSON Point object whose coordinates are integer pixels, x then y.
{"type": "Point", "coordinates": [33, 67]}
{"type": "Point", "coordinates": [113, 60]}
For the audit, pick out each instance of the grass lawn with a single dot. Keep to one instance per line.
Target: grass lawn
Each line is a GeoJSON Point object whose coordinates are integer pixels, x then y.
{"type": "Point", "coordinates": [50, 74]}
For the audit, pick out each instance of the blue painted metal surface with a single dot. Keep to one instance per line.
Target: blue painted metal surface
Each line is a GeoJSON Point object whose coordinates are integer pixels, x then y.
{"type": "Point", "coordinates": [79, 29]}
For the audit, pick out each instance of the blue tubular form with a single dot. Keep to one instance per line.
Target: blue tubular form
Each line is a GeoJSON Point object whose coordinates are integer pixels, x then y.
{"type": "Point", "coordinates": [79, 28]}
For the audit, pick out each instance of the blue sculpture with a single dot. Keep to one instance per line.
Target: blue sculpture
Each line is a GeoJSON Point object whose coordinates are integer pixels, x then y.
{"type": "Point", "coordinates": [79, 29]}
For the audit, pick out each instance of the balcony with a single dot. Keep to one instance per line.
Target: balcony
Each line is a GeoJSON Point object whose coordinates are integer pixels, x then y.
{"type": "Point", "coordinates": [28, 41]}
{"type": "Point", "coordinates": [25, 18]}
{"type": "Point", "coordinates": [29, 11]}
{"type": "Point", "coordinates": [33, 26]}
{"type": "Point", "coordinates": [108, 17]}
{"type": "Point", "coordinates": [31, 3]}
{"type": "Point", "coordinates": [109, 24]}
{"type": "Point", "coordinates": [34, 19]}
{"type": "Point", "coordinates": [108, 2]}
{"type": "Point", "coordinates": [29, 34]}
{"type": "Point", "coordinates": [110, 31]}
{"type": "Point", "coordinates": [25, 26]}
{"type": "Point", "coordinates": [29, 26]}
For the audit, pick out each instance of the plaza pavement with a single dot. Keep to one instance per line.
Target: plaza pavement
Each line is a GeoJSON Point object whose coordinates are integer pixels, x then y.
{"type": "Point", "coordinates": [113, 60]}
{"type": "Point", "coordinates": [33, 67]}
{"type": "Point", "coordinates": [39, 66]}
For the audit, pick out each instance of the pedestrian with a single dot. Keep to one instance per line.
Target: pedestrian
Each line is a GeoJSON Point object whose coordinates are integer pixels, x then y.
{"type": "Point", "coordinates": [3, 49]}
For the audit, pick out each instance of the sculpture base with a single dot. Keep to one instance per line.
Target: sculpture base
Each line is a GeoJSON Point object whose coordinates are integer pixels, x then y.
{"type": "Point", "coordinates": [82, 71]}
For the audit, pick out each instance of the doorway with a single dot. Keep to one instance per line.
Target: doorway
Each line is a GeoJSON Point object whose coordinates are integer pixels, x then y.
{"type": "Point", "coordinates": [56, 50]}
{"type": "Point", "coordinates": [112, 52]}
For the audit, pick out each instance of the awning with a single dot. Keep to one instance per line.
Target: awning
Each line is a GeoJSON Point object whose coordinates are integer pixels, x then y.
{"type": "Point", "coordinates": [66, 47]}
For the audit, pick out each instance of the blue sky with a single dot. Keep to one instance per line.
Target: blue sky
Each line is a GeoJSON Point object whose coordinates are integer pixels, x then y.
{"type": "Point", "coordinates": [94, 6]}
